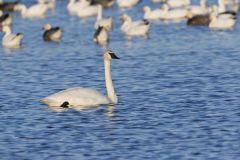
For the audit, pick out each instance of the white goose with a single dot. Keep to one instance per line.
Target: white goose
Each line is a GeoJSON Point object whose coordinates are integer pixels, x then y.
{"type": "Point", "coordinates": [153, 14]}
{"type": "Point", "coordinates": [175, 13]}
{"type": "Point", "coordinates": [88, 11]}
{"type": "Point", "coordinates": [222, 20]}
{"type": "Point", "coordinates": [106, 23]}
{"type": "Point", "coordinates": [11, 40]}
{"type": "Point", "coordinates": [35, 11]}
{"type": "Point", "coordinates": [73, 6]}
{"type": "Point", "coordinates": [136, 28]}
{"type": "Point", "coordinates": [101, 35]}
{"type": "Point", "coordinates": [199, 10]}
{"type": "Point", "coordinates": [127, 3]}
{"type": "Point", "coordinates": [178, 3]}
{"type": "Point", "coordinates": [86, 96]}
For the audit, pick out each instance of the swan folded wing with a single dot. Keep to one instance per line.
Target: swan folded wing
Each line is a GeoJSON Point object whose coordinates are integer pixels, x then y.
{"type": "Point", "coordinates": [77, 97]}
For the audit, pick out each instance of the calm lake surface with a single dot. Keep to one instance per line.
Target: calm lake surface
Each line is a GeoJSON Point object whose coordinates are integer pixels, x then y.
{"type": "Point", "coordinates": [178, 90]}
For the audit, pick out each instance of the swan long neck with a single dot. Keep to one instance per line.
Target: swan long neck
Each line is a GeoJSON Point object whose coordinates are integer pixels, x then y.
{"type": "Point", "coordinates": [99, 15]}
{"type": "Point", "coordinates": [7, 31]}
{"type": "Point", "coordinates": [109, 84]}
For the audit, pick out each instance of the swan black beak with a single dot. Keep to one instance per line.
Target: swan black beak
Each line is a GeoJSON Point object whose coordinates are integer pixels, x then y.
{"type": "Point", "coordinates": [113, 55]}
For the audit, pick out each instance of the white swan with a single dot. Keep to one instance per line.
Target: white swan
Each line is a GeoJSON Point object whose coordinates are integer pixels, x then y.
{"type": "Point", "coordinates": [136, 28]}
{"type": "Point", "coordinates": [86, 96]}
{"type": "Point", "coordinates": [74, 6]}
{"type": "Point", "coordinates": [11, 40]}
{"type": "Point", "coordinates": [106, 22]}
{"type": "Point", "coordinates": [127, 3]}
{"type": "Point", "coordinates": [35, 11]}
{"type": "Point", "coordinates": [178, 3]}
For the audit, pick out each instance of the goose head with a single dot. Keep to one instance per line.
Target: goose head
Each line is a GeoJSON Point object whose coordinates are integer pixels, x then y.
{"type": "Point", "coordinates": [125, 18]}
{"type": "Point", "coordinates": [6, 29]}
{"type": "Point", "coordinates": [19, 8]}
{"type": "Point", "coordinates": [146, 9]}
{"type": "Point", "coordinates": [109, 55]}
{"type": "Point", "coordinates": [47, 26]}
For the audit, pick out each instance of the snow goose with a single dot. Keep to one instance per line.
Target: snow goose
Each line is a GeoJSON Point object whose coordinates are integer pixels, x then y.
{"type": "Point", "coordinates": [178, 3]}
{"type": "Point", "coordinates": [5, 20]}
{"type": "Point", "coordinates": [221, 21]}
{"type": "Point", "coordinates": [74, 6]}
{"type": "Point", "coordinates": [106, 23]}
{"type": "Point", "coordinates": [11, 40]}
{"type": "Point", "coordinates": [127, 3]}
{"type": "Point", "coordinates": [101, 35]}
{"type": "Point", "coordinates": [86, 97]}
{"type": "Point", "coordinates": [153, 14]}
{"type": "Point", "coordinates": [88, 11]}
{"type": "Point", "coordinates": [35, 11]}
{"type": "Point", "coordinates": [136, 28]}
{"type": "Point", "coordinates": [175, 13]}
{"type": "Point", "coordinates": [52, 33]}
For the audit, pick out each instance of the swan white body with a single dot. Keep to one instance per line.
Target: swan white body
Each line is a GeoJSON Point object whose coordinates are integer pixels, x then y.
{"type": "Point", "coordinates": [153, 14]}
{"type": "Point", "coordinates": [136, 28]}
{"type": "Point", "coordinates": [74, 7]}
{"type": "Point", "coordinates": [86, 96]}
{"type": "Point", "coordinates": [106, 22]}
{"type": "Point", "coordinates": [178, 3]}
{"type": "Point", "coordinates": [11, 40]}
{"type": "Point", "coordinates": [127, 3]}
{"type": "Point", "coordinates": [35, 11]}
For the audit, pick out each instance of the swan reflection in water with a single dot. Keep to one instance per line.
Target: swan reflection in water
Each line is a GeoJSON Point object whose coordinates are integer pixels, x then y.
{"type": "Point", "coordinates": [109, 109]}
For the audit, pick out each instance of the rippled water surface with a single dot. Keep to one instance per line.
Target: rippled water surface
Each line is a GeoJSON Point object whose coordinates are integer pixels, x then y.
{"type": "Point", "coordinates": [178, 89]}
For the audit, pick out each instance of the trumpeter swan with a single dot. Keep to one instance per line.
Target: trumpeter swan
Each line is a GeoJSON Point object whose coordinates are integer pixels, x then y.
{"type": "Point", "coordinates": [52, 33]}
{"type": "Point", "coordinates": [136, 28]}
{"type": "Point", "coordinates": [86, 96]}
{"type": "Point", "coordinates": [11, 40]}
{"type": "Point", "coordinates": [106, 22]}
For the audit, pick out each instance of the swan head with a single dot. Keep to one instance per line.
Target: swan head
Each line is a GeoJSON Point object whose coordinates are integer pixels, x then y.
{"type": "Point", "coordinates": [146, 9]}
{"type": "Point", "coordinates": [47, 26]}
{"type": "Point", "coordinates": [109, 55]}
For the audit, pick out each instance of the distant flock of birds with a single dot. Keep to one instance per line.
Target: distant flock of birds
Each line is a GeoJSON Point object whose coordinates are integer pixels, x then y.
{"type": "Point", "coordinates": [220, 16]}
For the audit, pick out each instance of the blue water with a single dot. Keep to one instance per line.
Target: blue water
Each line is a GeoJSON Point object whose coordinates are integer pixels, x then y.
{"type": "Point", "coordinates": [178, 92]}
